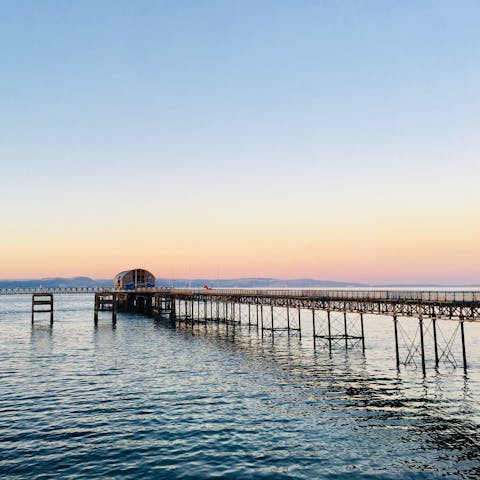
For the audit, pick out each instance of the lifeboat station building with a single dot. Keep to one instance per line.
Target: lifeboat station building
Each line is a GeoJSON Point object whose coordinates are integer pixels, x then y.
{"type": "Point", "coordinates": [132, 279]}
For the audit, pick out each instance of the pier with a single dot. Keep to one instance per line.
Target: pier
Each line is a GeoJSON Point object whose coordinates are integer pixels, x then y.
{"type": "Point", "coordinates": [336, 316]}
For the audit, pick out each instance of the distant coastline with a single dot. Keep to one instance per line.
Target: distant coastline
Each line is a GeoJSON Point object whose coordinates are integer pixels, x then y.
{"type": "Point", "coordinates": [252, 282]}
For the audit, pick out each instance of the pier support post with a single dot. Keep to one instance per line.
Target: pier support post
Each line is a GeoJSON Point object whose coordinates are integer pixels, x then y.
{"type": "Point", "coordinates": [329, 325]}
{"type": "Point", "coordinates": [464, 352]}
{"type": "Point", "coordinates": [397, 353]}
{"type": "Point", "coordinates": [114, 309]}
{"type": "Point", "coordinates": [271, 320]}
{"type": "Point", "coordinates": [299, 323]}
{"type": "Point", "coordinates": [173, 306]}
{"type": "Point", "coordinates": [435, 343]}
{"type": "Point", "coordinates": [422, 344]}
{"type": "Point", "coordinates": [261, 316]}
{"type": "Point", "coordinates": [288, 319]}
{"type": "Point", "coordinates": [314, 330]}
{"type": "Point", "coordinates": [96, 309]}
{"type": "Point", "coordinates": [363, 332]}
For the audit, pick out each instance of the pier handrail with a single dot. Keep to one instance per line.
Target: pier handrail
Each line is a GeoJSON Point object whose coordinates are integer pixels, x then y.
{"type": "Point", "coordinates": [56, 290]}
{"type": "Point", "coordinates": [381, 295]}
{"type": "Point", "coordinates": [435, 296]}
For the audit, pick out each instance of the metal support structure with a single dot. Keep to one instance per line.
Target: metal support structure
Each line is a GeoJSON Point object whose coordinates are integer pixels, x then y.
{"type": "Point", "coordinates": [314, 330]}
{"type": "Point", "coordinates": [271, 320]}
{"type": "Point", "coordinates": [422, 344]}
{"type": "Point", "coordinates": [397, 352]}
{"type": "Point", "coordinates": [261, 317]}
{"type": "Point", "coordinates": [329, 331]}
{"type": "Point", "coordinates": [362, 332]}
{"type": "Point", "coordinates": [464, 352]}
{"type": "Point", "coordinates": [435, 341]}
{"type": "Point", "coordinates": [299, 323]}
{"type": "Point", "coordinates": [284, 304]}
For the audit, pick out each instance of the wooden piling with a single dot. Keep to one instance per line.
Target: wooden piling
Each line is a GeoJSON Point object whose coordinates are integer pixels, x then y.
{"type": "Point", "coordinates": [105, 302]}
{"type": "Point", "coordinates": [45, 302]}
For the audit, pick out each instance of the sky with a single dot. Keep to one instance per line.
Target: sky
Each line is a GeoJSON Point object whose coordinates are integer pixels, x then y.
{"type": "Point", "coordinates": [291, 139]}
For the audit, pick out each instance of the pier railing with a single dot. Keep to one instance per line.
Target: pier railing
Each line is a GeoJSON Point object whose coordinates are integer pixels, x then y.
{"type": "Point", "coordinates": [367, 295]}
{"type": "Point", "coordinates": [423, 296]}
{"type": "Point", "coordinates": [52, 290]}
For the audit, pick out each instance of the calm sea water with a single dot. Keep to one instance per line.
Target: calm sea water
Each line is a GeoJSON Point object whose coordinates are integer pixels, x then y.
{"type": "Point", "coordinates": [150, 400]}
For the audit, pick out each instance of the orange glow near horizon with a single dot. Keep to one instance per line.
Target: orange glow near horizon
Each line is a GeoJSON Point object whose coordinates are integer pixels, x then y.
{"type": "Point", "coordinates": [361, 251]}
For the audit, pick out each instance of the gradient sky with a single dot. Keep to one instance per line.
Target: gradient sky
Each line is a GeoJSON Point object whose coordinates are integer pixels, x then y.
{"type": "Point", "coordinates": [328, 139]}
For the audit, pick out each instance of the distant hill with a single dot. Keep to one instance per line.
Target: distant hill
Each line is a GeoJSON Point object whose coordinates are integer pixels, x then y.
{"type": "Point", "coordinates": [254, 282]}
{"type": "Point", "coordinates": [183, 283]}
{"type": "Point", "coordinates": [56, 282]}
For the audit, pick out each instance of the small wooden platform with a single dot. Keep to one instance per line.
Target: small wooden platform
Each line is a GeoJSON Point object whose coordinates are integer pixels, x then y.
{"type": "Point", "coordinates": [42, 303]}
{"type": "Point", "coordinates": [105, 302]}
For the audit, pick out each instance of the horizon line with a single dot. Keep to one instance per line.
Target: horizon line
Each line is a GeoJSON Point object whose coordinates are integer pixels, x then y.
{"type": "Point", "coordinates": [369, 284]}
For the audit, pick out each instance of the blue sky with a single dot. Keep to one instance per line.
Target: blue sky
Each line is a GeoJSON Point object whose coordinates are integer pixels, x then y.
{"type": "Point", "coordinates": [309, 113]}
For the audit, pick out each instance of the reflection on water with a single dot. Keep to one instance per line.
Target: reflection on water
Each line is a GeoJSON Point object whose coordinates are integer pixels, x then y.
{"type": "Point", "coordinates": [149, 399]}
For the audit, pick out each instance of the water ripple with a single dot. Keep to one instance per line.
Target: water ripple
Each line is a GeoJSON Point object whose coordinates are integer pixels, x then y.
{"type": "Point", "coordinates": [148, 400]}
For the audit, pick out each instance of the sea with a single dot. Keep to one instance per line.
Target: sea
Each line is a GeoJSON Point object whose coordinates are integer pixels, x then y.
{"type": "Point", "coordinates": [151, 399]}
